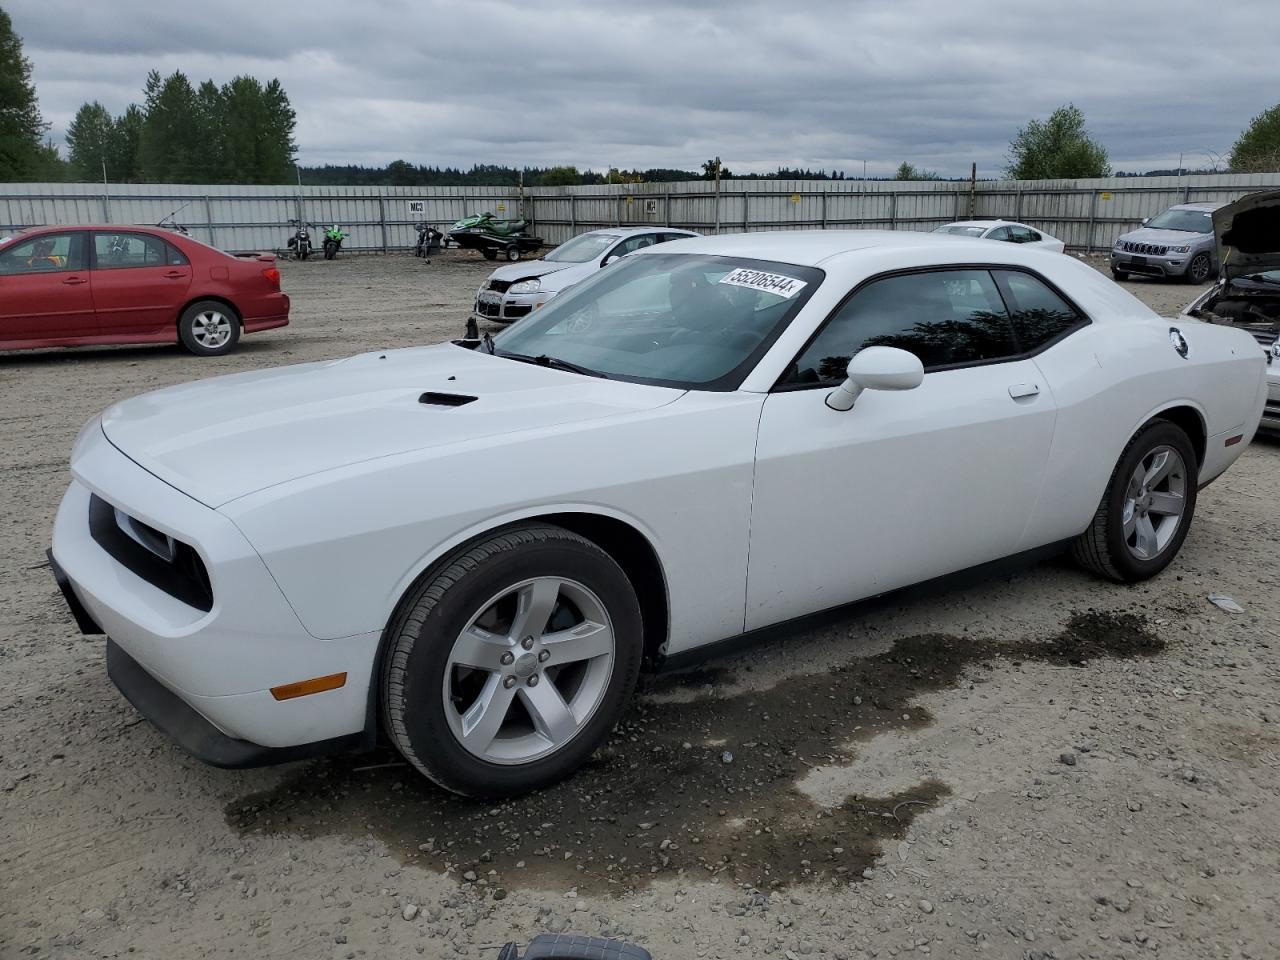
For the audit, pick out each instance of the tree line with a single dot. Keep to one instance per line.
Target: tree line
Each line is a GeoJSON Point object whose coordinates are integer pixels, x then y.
{"type": "Point", "coordinates": [243, 132]}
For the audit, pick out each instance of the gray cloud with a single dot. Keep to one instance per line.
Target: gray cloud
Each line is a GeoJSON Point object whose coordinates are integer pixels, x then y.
{"type": "Point", "coordinates": [814, 84]}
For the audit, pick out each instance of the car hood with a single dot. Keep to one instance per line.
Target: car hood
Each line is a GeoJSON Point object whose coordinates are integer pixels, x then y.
{"type": "Point", "coordinates": [1248, 234]}
{"type": "Point", "coordinates": [527, 271]}
{"type": "Point", "coordinates": [1164, 237]}
{"type": "Point", "coordinates": [223, 438]}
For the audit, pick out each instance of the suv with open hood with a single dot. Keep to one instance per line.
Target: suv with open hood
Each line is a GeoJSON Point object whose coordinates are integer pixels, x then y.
{"type": "Point", "coordinates": [1247, 294]}
{"type": "Point", "coordinates": [1177, 243]}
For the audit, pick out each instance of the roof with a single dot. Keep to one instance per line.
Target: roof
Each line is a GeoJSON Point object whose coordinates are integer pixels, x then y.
{"type": "Point", "coordinates": [812, 247]}
{"type": "Point", "coordinates": [95, 226]}
{"type": "Point", "coordinates": [1198, 205]}
{"type": "Point", "coordinates": [987, 224]}
{"type": "Point", "coordinates": [631, 231]}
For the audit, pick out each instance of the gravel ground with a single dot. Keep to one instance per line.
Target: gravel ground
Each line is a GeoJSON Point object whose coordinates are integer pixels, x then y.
{"type": "Point", "coordinates": [1032, 764]}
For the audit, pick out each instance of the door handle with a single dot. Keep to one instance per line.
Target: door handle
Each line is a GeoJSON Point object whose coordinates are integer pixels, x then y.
{"type": "Point", "coordinates": [1024, 391]}
{"type": "Point", "coordinates": [174, 275]}
{"type": "Point", "coordinates": [74, 281]}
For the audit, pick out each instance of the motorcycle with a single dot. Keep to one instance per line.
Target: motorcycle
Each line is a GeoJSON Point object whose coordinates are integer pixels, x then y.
{"type": "Point", "coordinates": [428, 236]}
{"type": "Point", "coordinates": [333, 237]}
{"type": "Point", "coordinates": [300, 242]}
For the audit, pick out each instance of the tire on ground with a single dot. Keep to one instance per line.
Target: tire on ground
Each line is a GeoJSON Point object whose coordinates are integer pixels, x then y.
{"type": "Point", "coordinates": [191, 323]}
{"type": "Point", "coordinates": [429, 619]}
{"type": "Point", "coordinates": [1102, 548]}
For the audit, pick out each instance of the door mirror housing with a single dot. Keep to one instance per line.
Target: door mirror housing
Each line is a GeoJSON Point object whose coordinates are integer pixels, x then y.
{"type": "Point", "coordinates": [1145, 221]}
{"type": "Point", "coordinates": [611, 258]}
{"type": "Point", "coordinates": [877, 368]}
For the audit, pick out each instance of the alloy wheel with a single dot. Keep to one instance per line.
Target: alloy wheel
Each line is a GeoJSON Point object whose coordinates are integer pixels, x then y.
{"type": "Point", "coordinates": [529, 670]}
{"type": "Point", "coordinates": [1154, 502]}
{"type": "Point", "coordinates": [211, 329]}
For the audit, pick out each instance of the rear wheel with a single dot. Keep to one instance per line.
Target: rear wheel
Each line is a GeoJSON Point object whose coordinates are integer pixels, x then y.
{"type": "Point", "coordinates": [509, 667]}
{"type": "Point", "coordinates": [1147, 508]}
{"type": "Point", "coordinates": [490, 254]}
{"type": "Point", "coordinates": [513, 253]}
{"type": "Point", "coordinates": [209, 329]}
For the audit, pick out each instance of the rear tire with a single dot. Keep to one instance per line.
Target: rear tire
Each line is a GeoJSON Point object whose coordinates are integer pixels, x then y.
{"type": "Point", "coordinates": [208, 328]}
{"type": "Point", "coordinates": [1147, 509]}
{"type": "Point", "coordinates": [489, 254]}
{"type": "Point", "coordinates": [1119, 274]}
{"type": "Point", "coordinates": [513, 253]}
{"type": "Point", "coordinates": [477, 692]}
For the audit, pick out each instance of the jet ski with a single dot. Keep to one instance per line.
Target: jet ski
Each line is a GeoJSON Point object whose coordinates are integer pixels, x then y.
{"type": "Point", "coordinates": [494, 238]}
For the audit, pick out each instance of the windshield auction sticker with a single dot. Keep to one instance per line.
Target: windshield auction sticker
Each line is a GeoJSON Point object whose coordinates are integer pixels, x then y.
{"type": "Point", "coordinates": [775, 283]}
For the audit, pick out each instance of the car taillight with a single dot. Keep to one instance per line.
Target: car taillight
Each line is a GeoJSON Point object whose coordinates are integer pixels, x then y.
{"type": "Point", "coordinates": [273, 276]}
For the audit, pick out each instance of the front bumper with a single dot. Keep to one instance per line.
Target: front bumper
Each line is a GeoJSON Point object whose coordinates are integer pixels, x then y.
{"type": "Point", "coordinates": [221, 663]}
{"type": "Point", "coordinates": [1271, 411]}
{"type": "Point", "coordinates": [1174, 265]}
{"type": "Point", "coordinates": [507, 307]}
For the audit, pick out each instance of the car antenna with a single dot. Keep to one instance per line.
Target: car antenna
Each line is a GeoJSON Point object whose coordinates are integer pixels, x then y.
{"type": "Point", "coordinates": [174, 213]}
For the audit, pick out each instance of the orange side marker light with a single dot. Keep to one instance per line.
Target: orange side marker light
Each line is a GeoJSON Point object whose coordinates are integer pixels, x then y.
{"type": "Point", "coordinates": [303, 688]}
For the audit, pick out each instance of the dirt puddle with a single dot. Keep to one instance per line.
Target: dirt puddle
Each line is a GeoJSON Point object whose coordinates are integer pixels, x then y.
{"type": "Point", "coordinates": [704, 788]}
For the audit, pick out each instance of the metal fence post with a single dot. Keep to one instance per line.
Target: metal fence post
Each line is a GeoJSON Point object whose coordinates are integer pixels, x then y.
{"type": "Point", "coordinates": [573, 214]}
{"type": "Point", "coordinates": [106, 208]}
{"type": "Point", "coordinates": [1017, 202]}
{"type": "Point", "coordinates": [382, 221]}
{"type": "Point", "coordinates": [824, 209]}
{"type": "Point", "coordinates": [1093, 215]}
{"type": "Point", "coordinates": [208, 221]}
{"type": "Point", "coordinates": [893, 209]}
{"type": "Point", "coordinates": [666, 208]}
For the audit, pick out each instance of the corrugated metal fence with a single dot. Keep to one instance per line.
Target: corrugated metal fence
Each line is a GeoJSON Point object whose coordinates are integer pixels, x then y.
{"type": "Point", "coordinates": [1087, 214]}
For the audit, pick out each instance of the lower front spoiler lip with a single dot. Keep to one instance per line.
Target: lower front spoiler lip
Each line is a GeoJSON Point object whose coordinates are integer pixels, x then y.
{"type": "Point", "coordinates": [88, 626]}
{"type": "Point", "coordinates": [170, 714]}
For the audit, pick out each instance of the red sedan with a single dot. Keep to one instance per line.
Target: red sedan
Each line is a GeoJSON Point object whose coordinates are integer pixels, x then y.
{"type": "Point", "coordinates": [77, 285]}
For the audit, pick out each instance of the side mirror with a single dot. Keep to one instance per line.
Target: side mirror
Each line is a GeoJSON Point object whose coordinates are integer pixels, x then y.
{"type": "Point", "coordinates": [877, 368]}
{"type": "Point", "coordinates": [611, 258]}
{"type": "Point", "coordinates": [1145, 221]}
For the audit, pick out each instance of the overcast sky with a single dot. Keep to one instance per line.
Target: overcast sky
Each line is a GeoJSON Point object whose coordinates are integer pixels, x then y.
{"type": "Point", "coordinates": [654, 83]}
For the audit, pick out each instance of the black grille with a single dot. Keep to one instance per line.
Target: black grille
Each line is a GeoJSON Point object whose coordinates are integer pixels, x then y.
{"type": "Point", "coordinates": [499, 286]}
{"type": "Point", "coordinates": [488, 309]}
{"type": "Point", "coordinates": [1154, 249]}
{"type": "Point", "coordinates": [514, 310]}
{"type": "Point", "coordinates": [165, 563]}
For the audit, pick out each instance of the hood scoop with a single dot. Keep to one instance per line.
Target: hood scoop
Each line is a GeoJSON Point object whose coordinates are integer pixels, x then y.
{"type": "Point", "coordinates": [433, 399]}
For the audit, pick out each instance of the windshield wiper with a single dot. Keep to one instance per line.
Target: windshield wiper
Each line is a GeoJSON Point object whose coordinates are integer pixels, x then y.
{"type": "Point", "coordinates": [555, 363]}
{"type": "Point", "coordinates": [1260, 278]}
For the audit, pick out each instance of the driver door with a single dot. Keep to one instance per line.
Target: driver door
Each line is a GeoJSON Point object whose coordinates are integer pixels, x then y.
{"type": "Point", "coordinates": [45, 290]}
{"type": "Point", "coordinates": [905, 486]}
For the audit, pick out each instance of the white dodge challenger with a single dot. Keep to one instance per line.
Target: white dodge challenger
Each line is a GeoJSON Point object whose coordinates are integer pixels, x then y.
{"type": "Point", "coordinates": [474, 551]}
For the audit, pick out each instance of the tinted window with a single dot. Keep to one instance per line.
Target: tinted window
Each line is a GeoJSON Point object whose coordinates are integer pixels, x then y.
{"type": "Point", "coordinates": [48, 253]}
{"type": "Point", "coordinates": [1023, 235]}
{"type": "Point", "coordinates": [632, 244]}
{"type": "Point", "coordinates": [944, 317]}
{"type": "Point", "coordinates": [124, 250]}
{"type": "Point", "coordinates": [999, 233]}
{"type": "Point", "coordinates": [1039, 315]}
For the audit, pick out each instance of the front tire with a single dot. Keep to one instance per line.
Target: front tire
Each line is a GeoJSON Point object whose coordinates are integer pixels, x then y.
{"type": "Point", "coordinates": [1147, 509]}
{"type": "Point", "coordinates": [1119, 274]}
{"type": "Point", "coordinates": [509, 666]}
{"type": "Point", "coordinates": [1199, 269]}
{"type": "Point", "coordinates": [209, 329]}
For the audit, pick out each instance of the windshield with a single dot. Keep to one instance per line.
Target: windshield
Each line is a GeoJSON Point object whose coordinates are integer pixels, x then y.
{"type": "Point", "coordinates": [961, 229]}
{"type": "Point", "coordinates": [1188, 221]}
{"type": "Point", "coordinates": [681, 320]}
{"type": "Point", "coordinates": [583, 248]}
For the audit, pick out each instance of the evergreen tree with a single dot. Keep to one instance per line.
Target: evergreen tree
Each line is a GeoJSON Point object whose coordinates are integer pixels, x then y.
{"type": "Point", "coordinates": [173, 143]}
{"type": "Point", "coordinates": [122, 160]}
{"type": "Point", "coordinates": [22, 156]}
{"type": "Point", "coordinates": [91, 143]}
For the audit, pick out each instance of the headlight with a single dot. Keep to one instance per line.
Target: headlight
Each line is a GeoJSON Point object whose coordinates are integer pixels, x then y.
{"type": "Point", "coordinates": [1185, 248]}
{"type": "Point", "coordinates": [525, 286]}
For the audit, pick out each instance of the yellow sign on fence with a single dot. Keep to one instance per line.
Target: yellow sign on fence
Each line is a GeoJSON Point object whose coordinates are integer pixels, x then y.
{"type": "Point", "coordinates": [1106, 195]}
{"type": "Point", "coordinates": [795, 198]}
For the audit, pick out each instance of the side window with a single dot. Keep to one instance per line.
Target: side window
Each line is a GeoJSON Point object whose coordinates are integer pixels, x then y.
{"type": "Point", "coordinates": [945, 317]}
{"type": "Point", "coordinates": [48, 253]}
{"type": "Point", "coordinates": [1039, 315]}
{"type": "Point", "coordinates": [1024, 235]}
{"type": "Point", "coordinates": [175, 257]}
{"type": "Point", "coordinates": [122, 251]}
{"type": "Point", "coordinates": [632, 244]}
{"type": "Point", "coordinates": [1000, 233]}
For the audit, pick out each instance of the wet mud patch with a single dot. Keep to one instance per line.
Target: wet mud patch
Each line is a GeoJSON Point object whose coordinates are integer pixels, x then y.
{"type": "Point", "coordinates": [695, 789]}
